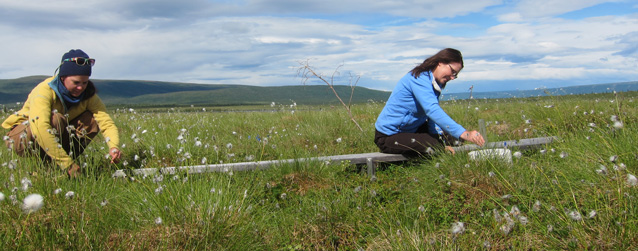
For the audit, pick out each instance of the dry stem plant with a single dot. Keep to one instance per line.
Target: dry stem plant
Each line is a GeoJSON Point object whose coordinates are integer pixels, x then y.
{"type": "Point", "coordinates": [306, 71]}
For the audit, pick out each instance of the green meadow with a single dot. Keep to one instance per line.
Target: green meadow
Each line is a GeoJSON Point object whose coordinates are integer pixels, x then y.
{"type": "Point", "coordinates": [577, 193]}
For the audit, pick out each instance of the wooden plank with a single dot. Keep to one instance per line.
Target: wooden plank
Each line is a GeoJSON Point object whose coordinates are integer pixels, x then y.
{"type": "Point", "coordinates": [369, 159]}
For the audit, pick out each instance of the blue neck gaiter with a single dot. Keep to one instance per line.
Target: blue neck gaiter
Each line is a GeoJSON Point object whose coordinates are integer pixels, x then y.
{"type": "Point", "coordinates": [66, 96]}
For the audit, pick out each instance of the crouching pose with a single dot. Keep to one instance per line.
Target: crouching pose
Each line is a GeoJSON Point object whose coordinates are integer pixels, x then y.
{"type": "Point", "coordinates": [412, 120]}
{"type": "Point", "coordinates": [61, 117]}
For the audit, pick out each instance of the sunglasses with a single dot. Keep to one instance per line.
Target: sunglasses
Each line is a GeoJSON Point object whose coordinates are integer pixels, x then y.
{"type": "Point", "coordinates": [81, 61]}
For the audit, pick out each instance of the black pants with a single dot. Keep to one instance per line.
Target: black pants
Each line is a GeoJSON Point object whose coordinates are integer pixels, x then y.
{"type": "Point", "coordinates": [420, 142]}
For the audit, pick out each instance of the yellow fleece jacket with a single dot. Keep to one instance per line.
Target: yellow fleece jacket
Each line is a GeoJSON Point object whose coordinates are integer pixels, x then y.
{"type": "Point", "coordinates": [38, 108]}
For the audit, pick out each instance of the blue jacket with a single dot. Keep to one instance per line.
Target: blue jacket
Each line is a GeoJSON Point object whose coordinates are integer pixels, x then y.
{"type": "Point", "coordinates": [413, 102]}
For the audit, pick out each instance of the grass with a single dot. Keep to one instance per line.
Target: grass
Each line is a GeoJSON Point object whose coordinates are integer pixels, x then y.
{"type": "Point", "coordinates": [533, 203]}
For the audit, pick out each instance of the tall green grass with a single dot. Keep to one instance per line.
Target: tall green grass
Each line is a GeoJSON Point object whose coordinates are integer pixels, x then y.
{"type": "Point", "coordinates": [543, 200]}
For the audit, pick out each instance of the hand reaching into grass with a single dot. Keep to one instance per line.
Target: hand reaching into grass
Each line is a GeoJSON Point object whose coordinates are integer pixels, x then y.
{"type": "Point", "coordinates": [474, 137]}
{"type": "Point", "coordinates": [116, 154]}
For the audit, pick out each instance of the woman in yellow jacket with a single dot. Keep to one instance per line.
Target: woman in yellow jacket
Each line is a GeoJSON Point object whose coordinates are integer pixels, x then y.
{"type": "Point", "coordinates": [62, 115]}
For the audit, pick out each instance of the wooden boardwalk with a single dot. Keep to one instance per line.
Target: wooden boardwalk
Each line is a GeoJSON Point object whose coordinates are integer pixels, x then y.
{"type": "Point", "coordinates": [369, 159]}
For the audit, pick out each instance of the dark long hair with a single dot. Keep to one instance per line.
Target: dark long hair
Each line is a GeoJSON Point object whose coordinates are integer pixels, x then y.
{"type": "Point", "coordinates": [446, 56]}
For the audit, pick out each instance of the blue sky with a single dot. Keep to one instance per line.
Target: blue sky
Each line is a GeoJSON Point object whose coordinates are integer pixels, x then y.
{"type": "Point", "coordinates": [507, 44]}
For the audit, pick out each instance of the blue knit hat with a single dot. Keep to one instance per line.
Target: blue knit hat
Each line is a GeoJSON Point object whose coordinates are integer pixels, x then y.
{"type": "Point", "coordinates": [71, 68]}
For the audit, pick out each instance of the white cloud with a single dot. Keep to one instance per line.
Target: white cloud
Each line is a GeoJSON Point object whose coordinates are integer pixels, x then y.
{"type": "Point", "coordinates": [550, 8]}
{"type": "Point", "coordinates": [249, 42]}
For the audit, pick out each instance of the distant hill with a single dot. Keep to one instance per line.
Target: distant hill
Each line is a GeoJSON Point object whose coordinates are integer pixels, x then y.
{"type": "Point", "coordinates": [153, 93]}
{"type": "Point", "coordinates": [571, 90]}
{"type": "Point", "coordinates": [158, 93]}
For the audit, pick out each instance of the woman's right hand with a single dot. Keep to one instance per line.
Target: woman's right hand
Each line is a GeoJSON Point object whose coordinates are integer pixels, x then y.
{"type": "Point", "coordinates": [474, 137]}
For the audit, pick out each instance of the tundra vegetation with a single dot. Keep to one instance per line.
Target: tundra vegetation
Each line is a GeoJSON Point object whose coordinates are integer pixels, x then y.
{"type": "Point", "coordinates": [577, 193]}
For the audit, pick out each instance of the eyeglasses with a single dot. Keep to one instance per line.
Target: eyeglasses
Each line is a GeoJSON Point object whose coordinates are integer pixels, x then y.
{"type": "Point", "coordinates": [81, 61]}
{"type": "Point", "coordinates": [455, 73]}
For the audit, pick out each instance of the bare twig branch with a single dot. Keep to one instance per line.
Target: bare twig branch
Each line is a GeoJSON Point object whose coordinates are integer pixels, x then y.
{"type": "Point", "coordinates": [306, 71]}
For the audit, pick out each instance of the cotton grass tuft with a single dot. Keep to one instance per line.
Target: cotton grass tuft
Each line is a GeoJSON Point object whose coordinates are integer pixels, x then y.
{"type": "Point", "coordinates": [32, 203]}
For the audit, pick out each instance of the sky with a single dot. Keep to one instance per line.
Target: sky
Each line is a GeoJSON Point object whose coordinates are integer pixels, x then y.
{"type": "Point", "coordinates": [506, 44]}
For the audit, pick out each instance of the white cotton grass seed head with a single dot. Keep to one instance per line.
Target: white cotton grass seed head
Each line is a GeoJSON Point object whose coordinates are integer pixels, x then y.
{"type": "Point", "coordinates": [613, 158]}
{"type": "Point", "coordinates": [119, 174]}
{"type": "Point", "coordinates": [631, 180]}
{"type": "Point", "coordinates": [575, 215]}
{"type": "Point", "coordinates": [458, 228]}
{"type": "Point", "coordinates": [537, 206]}
{"type": "Point", "coordinates": [32, 203]}
{"type": "Point", "coordinates": [69, 195]}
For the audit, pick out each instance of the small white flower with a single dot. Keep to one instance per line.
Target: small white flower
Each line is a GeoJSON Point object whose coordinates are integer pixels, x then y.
{"type": "Point", "coordinates": [229, 146]}
{"type": "Point", "coordinates": [575, 215]}
{"type": "Point", "coordinates": [1, 197]}
{"type": "Point", "coordinates": [613, 158]}
{"type": "Point", "coordinates": [602, 170]}
{"type": "Point", "coordinates": [339, 140]}
{"type": "Point", "coordinates": [32, 203]}
{"type": "Point", "coordinates": [563, 155]}
{"type": "Point", "coordinates": [614, 118]}
{"type": "Point", "coordinates": [591, 214]}
{"type": "Point", "coordinates": [631, 180]}
{"type": "Point", "coordinates": [12, 164]}
{"type": "Point", "coordinates": [158, 220]}
{"type": "Point", "coordinates": [618, 125]}
{"type": "Point", "coordinates": [537, 206]}
{"type": "Point", "coordinates": [507, 228]}
{"type": "Point", "coordinates": [422, 208]}
{"type": "Point", "coordinates": [458, 228]}
{"type": "Point", "coordinates": [69, 195]}
{"type": "Point", "coordinates": [517, 154]}
{"type": "Point", "coordinates": [104, 203]}
{"type": "Point", "coordinates": [57, 191]}
{"type": "Point", "coordinates": [487, 245]}
{"type": "Point", "coordinates": [119, 174]}
{"type": "Point", "coordinates": [26, 183]}
{"type": "Point", "coordinates": [159, 190]}
{"type": "Point", "coordinates": [620, 167]}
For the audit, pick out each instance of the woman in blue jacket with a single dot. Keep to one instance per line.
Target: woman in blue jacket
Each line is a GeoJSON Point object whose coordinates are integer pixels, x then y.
{"type": "Point", "coordinates": [412, 120]}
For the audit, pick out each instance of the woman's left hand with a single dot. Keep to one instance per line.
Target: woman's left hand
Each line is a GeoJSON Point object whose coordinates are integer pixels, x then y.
{"type": "Point", "coordinates": [474, 137]}
{"type": "Point", "coordinates": [116, 154]}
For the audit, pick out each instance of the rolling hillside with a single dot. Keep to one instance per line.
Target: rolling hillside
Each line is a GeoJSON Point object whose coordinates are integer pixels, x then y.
{"type": "Point", "coordinates": [155, 93]}
{"type": "Point", "coordinates": [130, 92]}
